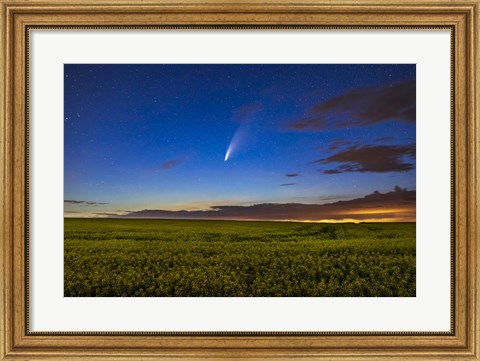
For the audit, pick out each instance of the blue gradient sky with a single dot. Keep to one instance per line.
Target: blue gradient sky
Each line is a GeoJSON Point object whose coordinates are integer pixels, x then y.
{"type": "Point", "coordinates": [155, 136]}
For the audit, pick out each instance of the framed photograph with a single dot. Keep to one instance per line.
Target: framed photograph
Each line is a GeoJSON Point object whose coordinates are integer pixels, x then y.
{"type": "Point", "coordinates": [239, 180]}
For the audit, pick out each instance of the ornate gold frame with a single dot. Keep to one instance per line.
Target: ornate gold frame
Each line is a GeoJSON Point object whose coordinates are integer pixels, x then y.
{"type": "Point", "coordinates": [17, 342]}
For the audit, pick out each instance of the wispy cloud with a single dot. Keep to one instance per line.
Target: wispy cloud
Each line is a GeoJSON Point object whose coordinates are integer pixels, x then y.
{"type": "Point", "coordinates": [90, 203]}
{"type": "Point", "coordinates": [291, 175]}
{"type": "Point", "coordinates": [287, 184]}
{"type": "Point", "coordinates": [371, 158]}
{"type": "Point", "coordinates": [167, 165]}
{"type": "Point", "coordinates": [362, 106]}
{"type": "Point", "coordinates": [173, 163]}
{"type": "Point", "coordinates": [384, 139]}
{"type": "Point", "coordinates": [246, 112]}
{"type": "Point", "coordinates": [337, 144]}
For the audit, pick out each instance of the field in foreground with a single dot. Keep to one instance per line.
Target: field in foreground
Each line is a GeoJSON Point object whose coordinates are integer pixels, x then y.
{"type": "Point", "coordinates": [130, 257]}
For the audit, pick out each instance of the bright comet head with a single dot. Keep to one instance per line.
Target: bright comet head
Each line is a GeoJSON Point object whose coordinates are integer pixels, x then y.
{"type": "Point", "coordinates": [228, 153]}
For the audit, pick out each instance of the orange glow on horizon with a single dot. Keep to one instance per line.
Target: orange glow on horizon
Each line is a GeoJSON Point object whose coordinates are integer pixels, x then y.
{"type": "Point", "coordinates": [380, 211]}
{"type": "Point", "coordinates": [347, 220]}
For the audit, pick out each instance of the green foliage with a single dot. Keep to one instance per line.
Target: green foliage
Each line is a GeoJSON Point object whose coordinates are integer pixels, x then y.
{"type": "Point", "coordinates": [127, 257]}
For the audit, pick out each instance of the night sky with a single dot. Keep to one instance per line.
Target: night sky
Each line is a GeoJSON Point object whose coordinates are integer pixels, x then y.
{"type": "Point", "coordinates": [281, 142]}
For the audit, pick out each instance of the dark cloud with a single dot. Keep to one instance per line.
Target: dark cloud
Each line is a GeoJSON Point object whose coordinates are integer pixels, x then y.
{"type": "Point", "coordinates": [291, 175]}
{"type": "Point", "coordinates": [245, 113]}
{"type": "Point", "coordinates": [166, 165]}
{"type": "Point", "coordinates": [288, 184]}
{"type": "Point", "coordinates": [332, 171]}
{"type": "Point", "coordinates": [72, 201]}
{"type": "Point", "coordinates": [170, 164]}
{"type": "Point", "coordinates": [385, 139]}
{"type": "Point", "coordinates": [337, 143]}
{"type": "Point", "coordinates": [363, 106]}
{"type": "Point", "coordinates": [312, 123]}
{"type": "Point", "coordinates": [371, 158]}
{"type": "Point", "coordinates": [396, 205]}
{"type": "Point", "coordinates": [335, 197]}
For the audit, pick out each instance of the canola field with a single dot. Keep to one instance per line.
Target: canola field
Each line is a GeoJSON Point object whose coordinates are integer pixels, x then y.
{"type": "Point", "coordinates": [190, 258]}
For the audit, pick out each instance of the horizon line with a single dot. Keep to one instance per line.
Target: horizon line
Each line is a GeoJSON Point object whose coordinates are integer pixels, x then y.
{"type": "Point", "coordinates": [346, 220]}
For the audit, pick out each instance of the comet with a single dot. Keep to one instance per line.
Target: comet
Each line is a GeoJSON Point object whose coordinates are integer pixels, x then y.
{"type": "Point", "coordinates": [238, 139]}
